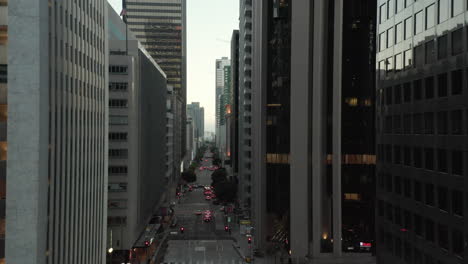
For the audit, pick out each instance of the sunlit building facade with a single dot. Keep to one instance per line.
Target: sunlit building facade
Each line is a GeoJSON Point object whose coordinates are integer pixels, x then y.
{"type": "Point", "coordinates": [422, 134]}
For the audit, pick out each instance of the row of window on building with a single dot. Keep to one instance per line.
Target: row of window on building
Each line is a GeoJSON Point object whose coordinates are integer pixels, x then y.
{"type": "Point", "coordinates": [448, 201]}
{"type": "Point", "coordinates": [426, 53]}
{"type": "Point", "coordinates": [445, 10]}
{"type": "Point", "coordinates": [426, 88]}
{"type": "Point", "coordinates": [425, 228]}
{"type": "Point", "coordinates": [441, 160]}
{"type": "Point", "coordinates": [427, 123]}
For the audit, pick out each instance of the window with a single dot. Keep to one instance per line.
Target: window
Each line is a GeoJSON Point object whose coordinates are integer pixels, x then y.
{"type": "Point", "coordinates": [417, 155]}
{"type": "Point", "coordinates": [430, 52]}
{"type": "Point", "coordinates": [397, 184]}
{"type": "Point", "coordinates": [457, 202]}
{"type": "Point", "coordinates": [429, 159]}
{"type": "Point", "coordinates": [390, 36]}
{"type": "Point", "coordinates": [389, 64]}
{"type": "Point", "coordinates": [456, 120]}
{"type": "Point", "coordinates": [117, 204]}
{"type": "Point", "coordinates": [408, 224]}
{"type": "Point", "coordinates": [457, 162]}
{"type": "Point", "coordinates": [408, 28]}
{"type": "Point", "coordinates": [118, 170]}
{"type": "Point", "coordinates": [457, 82]}
{"type": "Point", "coordinates": [442, 85]}
{"type": "Point", "coordinates": [429, 224]}
{"type": "Point", "coordinates": [383, 12]}
{"type": "Point", "coordinates": [408, 252]}
{"type": "Point", "coordinates": [407, 187]}
{"type": "Point", "coordinates": [382, 41]}
{"type": "Point", "coordinates": [117, 187]}
{"type": "Point", "coordinates": [417, 87]}
{"type": "Point", "coordinates": [118, 153]}
{"type": "Point", "coordinates": [390, 8]}
{"type": "Point", "coordinates": [397, 154]}
{"type": "Point", "coordinates": [388, 153]}
{"type": "Point", "coordinates": [417, 123]}
{"type": "Point", "coordinates": [116, 221]}
{"type": "Point", "coordinates": [118, 87]}
{"type": "Point", "coordinates": [398, 62]}
{"type": "Point", "coordinates": [389, 211]}
{"type": "Point", "coordinates": [407, 124]}
{"type": "Point", "coordinates": [457, 39]}
{"type": "Point", "coordinates": [419, 55]}
{"type": "Point", "coordinates": [388, 95]}
{"type": "Point", "coordinates": [457, 7]}
{"type": "Point", "coordinates": [457, 242]}
{"type": "Point", "coordinates": [442, 123]}
{"type": "Point", "coordinates": [417, 191]}
{"type": "Point", "coordinates": [118, 120]}
{"type": "Point", "coordinates": [443, 10]}
{"type": "Point", "coordinates": [407, 92]}
{"type": "Point", "coordinates": [418, 224]}
{"type": "Point", "coordinates": [418, 22]}
{"type": "Point", "coordinates": [429, 87]}
{"type": "Point", "coordinates": [398, 32]}
{"type": "Point", "coordinates": [118, 103]}
{"type": "Point", "coordinates": [388, 125]}
{"type": "Point", "coordinates": [442, 160]}
{"type": "Point", "coordinates": [400, 5]}
{"type": "Point", "coordinates": [397, 124]}
{"type": "Point", "coordinates": [442, 47]}
{"type": "Point", "coordinates": [389, 183]}
{"type": "Point", "coordinates": [429, 123]}
{"type": "Point", "coordinates": [430, 194]}
{"type": "Point", "coordinates": [430, 16]}
{"type": "Point", "coordinates": [398, 215]}
{"type": "Point", "coordinates": [118, 69]}
{"type": "Point", "coordinates": [398, 94]}
{"type": "Point", "coordinates": [398, 245]}
{"type": "Point", "coordinates": [443, 236]}
{"type": "Point", "coordinates": [407, 156]}
{"type": "Point", "coordinates": [118, 136]}
{"type": "Point", "coordinates": [442, 197]}
{"type": "Point", "coordinates": [408, 58]}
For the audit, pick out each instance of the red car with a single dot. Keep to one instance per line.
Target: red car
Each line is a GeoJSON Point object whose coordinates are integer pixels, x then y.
{"type": "Point", "coordinates": [207, 192]}
{"type": "Point", "coordinates": [207, 197]}
{"type": "Point", "coordinates": [207, 218]}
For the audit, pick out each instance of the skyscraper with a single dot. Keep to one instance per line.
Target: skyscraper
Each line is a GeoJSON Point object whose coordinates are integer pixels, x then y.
{"type": "Point", "coordinates": [245, 105]}
{"type": "Point", "coordinates": [220, 64]}
{"type": "Point", "coordinates": [197, 114]}
{"type": "Point", "coordinates": [57, 131]}
{"type": "Point", "coordinates": [3, 121]}
{"type": "Point", "coordinates": [422, 134]}
{"type": "Point", "coordinates": [312, 129]}
{"type": "Point", "coordinates": [160, 26]}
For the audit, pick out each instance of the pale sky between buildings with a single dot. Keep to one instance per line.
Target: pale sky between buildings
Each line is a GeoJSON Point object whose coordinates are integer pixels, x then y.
{"type": "Point", "coordinates": [210, 24]}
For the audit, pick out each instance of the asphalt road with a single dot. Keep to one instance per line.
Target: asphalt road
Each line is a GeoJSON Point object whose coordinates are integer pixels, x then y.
{"type": "Point", "coordinates": [201, 243]}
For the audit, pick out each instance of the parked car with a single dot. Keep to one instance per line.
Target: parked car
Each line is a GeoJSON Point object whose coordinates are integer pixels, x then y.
{"type": "Point", "coordinates": [198, 212]}
{"type": "Point", "coordinates": [207, 197]}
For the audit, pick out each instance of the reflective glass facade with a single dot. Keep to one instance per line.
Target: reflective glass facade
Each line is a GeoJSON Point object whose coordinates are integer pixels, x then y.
{"type": "Point", "coordinates": [422, 111]}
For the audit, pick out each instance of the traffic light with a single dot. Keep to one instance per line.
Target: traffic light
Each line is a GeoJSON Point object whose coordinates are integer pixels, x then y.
{"type": "Point", "coordinates": [226, 228]}
{"type": "Point", "coordinates": [249, 240]}
{"type": "Point", "coordinates": [147, 243]}
{"type": "Point", "coordinates": [182, 229]}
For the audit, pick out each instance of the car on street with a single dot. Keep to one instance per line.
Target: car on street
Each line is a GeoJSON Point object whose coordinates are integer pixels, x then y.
{"type": "Point", "coordinates": [198, 212]}
{"type": "Point", "coordinates": [190, 188]}
{"type": "Point", "coordinates": [201, 168]}
{"type": "Point", "coordinates": [207, 218]}
{"type": "Point", "coordinates": [207, 192]}
{"type": "Point", "coordinates": [207, 197]}
{"type": "Point", "coordinates": [221, 209]}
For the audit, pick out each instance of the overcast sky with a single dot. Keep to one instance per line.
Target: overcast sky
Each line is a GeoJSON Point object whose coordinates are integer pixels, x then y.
{"type": "Point", "coordinates": [210, 24]}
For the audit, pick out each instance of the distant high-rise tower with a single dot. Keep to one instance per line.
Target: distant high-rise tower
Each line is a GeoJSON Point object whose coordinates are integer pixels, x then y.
{"type": "Point", "coordinates": [220, 83]}
{"type": "Point", "coordinates": [57, 132]}
{"type": "Point", "coordinates": [160, 26]}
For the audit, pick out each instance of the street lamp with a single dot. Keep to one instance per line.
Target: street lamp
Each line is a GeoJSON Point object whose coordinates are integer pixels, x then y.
{"type": "Point", "coordinates": [110, 250]}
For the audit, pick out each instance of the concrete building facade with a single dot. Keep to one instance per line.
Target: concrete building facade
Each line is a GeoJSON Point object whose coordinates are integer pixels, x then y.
{"type": "Point", "coordinates": [58, 122]}
{"type": "Point", "coordinates": [245, 106]}
{"type": "Point", "coordinates": [197, 114]}
{"type": "Point", "coordinates": [137, 138]}
{"type": "Point", "coordinates": [422, 135]}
